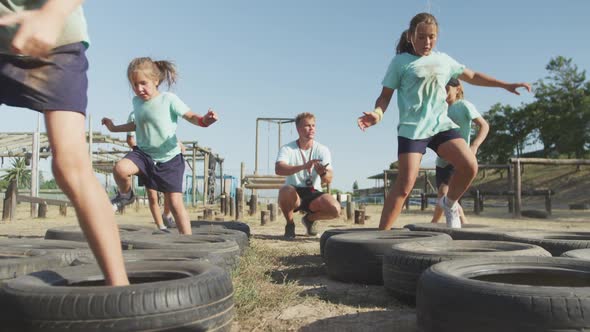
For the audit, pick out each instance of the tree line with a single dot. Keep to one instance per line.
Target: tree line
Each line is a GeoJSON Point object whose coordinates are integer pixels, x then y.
{"type": "Point", "coordinates": [558, 121]}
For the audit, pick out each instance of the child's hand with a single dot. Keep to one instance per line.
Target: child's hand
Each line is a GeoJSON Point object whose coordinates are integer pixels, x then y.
{"type": "Point", "coordinates": [512, 87]}
{"type": "Point", "coordinates": [108, 123]}
{"type": "Point", "coordinates": [37, 33]}
{"type": "Point", "coordinates": [367, 120]}
{"type": "Point", "coordinates": [210, 117]}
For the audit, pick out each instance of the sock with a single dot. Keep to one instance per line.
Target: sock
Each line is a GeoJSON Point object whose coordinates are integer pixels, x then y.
{"type": "Point", "coordinates": [449, 202]}
{"type": "Point", "coordinates": [125, 195]}
{"type": "Point", "coordinates": [163, 227]}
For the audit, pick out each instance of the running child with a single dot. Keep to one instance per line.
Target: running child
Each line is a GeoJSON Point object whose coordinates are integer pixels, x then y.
{"type": "Point", "coordinates": [420, 74]}
{"type": "Point", "coordinates": [43, 67]}
{"type": "Point", "coordinates": [463, 113]}
{"type": "Point", "coordinates": [157, 160]}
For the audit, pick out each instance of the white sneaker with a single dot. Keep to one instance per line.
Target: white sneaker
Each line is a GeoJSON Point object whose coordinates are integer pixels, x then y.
{"type": "Point", "coordinates": [451, 213]}
{"type": "Point", "coordinates": [168, 221]}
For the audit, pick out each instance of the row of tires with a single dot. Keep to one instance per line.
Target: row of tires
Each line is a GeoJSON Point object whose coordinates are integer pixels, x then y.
{"type": "Point", "coordinates": [177, 283]}
{"type": "Point", "coordinates": [473, 279]}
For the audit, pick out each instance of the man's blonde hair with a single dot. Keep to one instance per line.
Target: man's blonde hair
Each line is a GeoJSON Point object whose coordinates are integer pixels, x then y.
{"type": "Point", "coordinates": [301, 116]}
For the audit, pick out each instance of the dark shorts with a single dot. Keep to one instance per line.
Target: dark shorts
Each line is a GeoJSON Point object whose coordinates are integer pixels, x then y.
{"type": "Point", "coordinates": [406, 145]}
{"type": "Point", "coordinates": [166, 177]}
{"type": "Point", "coordinates": [443, 175]}
{"type": "Point", "coordinates": [55, 82]}
{"type": "Point", "coordinates": [306, 196]}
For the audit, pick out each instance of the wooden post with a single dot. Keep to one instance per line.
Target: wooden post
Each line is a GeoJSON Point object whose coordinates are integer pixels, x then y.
{"type": "Point", "coordinates": [349, 208]}
{"type": "Point", "coordinates": [42, 213]}
{"type": "Point", "coordinates": [239, 203]}
{"type": "Point", "coordinates": [264, 216]}
{"type": "Point", "coordinates": [253, 204]}
{"type": "Point", "coordinates": [481, 202]}
{"type": "Point", "coordinates": [228, 209]}
{"type": "Point", "coordinates": [548, 201]}
{"type": "Point", "coordinates": [206, 179]}
{"type": "Point", "coordinates": [194, 176]}
{"type": "Point", "coordinates": [407, 203]}
{"type": "Point", "coordinates": [222, 203]}
{"type": "Point", "coordinates": [359, 217]}
{"type": "Point", "coordinates": [517, 189]}
{"type": "Point", "coordinates": [272, 208]}
{"type": "Point", "coordinates": [63, 210]}
{"type": "Point", "coordinates": [220, 218]}
{"type": "Point", "coordinates": [208, 214]}
{"type": "Point", "coordinates": [423, 201]}
{"type": "Point", "coordinates": [476, 206]}
{"type": "Point", "coordinates": [339, 197]}
{"type": "Point", "coordinates": [232, 206]}
{"type": "Point", "coordinates": [384, 185]}
{"type": "Point", "coordinates": [9, 210]}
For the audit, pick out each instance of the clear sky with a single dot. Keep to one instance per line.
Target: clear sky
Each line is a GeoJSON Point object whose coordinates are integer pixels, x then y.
{"type": "Point", "coordinates": [269, 58]}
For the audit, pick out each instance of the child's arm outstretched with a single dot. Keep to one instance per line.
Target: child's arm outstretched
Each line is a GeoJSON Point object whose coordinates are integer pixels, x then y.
{"type": "Point", "coordinates": [481, 79]}
{"type": "Point", "coordinates": [201, 121]}
{"type": "Point", "coordinates": [39, 29]}
{"type": "Point", "coordinates": [118, 129]}
{"type": "Point", "coordinates": [482, 133]}
{"type": "Point", "coordinates": [369, 119]}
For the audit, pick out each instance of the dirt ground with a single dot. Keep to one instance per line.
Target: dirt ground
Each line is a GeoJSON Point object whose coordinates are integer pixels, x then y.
{"type": "Point", "coordinates": [321, 304]}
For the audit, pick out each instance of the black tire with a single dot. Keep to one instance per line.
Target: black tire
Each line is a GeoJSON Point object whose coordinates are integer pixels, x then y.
{"type": "Point", "coordinates": [578, 254]}
{"type": "Point", "coordinates": [404, 264]}
{"type": "Point", "coordinates": [556, 242]}
{"type": "Point", "coordinates": [141, 255]}
{"type": "Point", "coordinates": [29, 243]}
{"type": "Point", "coordinates": [225, 248]}
{"type": "Point", "coordinates": [240, 237]}
{"type": "Point", "coordinates": [236, 225]}
{"type": "Point", "coordinates": [335, 231]}
{"type": "Point", "coordinates": [511, 294]}
{"type": "Point", "coordinates": [163, 296]}
{"type": "Point", "coordinates": [74, 233]}
{"type": "Point", "coordinates": [19, 261]}
{"type": "Point", "coordinates": [440, 227]}
{"type": "Point", "coordinates": [484, 234]}
{"type": "Point", "coordinates": [357, 257]}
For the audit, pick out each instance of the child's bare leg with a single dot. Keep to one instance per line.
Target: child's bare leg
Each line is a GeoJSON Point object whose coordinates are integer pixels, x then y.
{"type": "Point", "coordinates": [122, 172]}
{"type": "Point", "coordinates": [458, 154]}
{"type": "Point", "coordinates": [409, 166]}
{"type": "Point", "coordinates": [179, 212]}
{"type": "Point", "coordinates": [288, 201]}
{"type": "Point", "coordinates": [73, 173]}
{"type": "Point", "coordinates": [155, 207]}
{"type": "Point", "coordinates": [166, 206]}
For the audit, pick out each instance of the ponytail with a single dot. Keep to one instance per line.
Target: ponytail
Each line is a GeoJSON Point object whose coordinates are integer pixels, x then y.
{"type": "Point", "coordinates": [404, 45]}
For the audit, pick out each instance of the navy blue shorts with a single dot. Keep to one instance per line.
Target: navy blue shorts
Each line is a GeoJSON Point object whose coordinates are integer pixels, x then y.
{"type": "Point", "coordinates": [443, 175]}
{"type": "Point", "coordinates": [306, 196]}
{"type": "Point", "coordinates": [406, 145]}
{"type": "Point", "coordinates": [166, 177]}
{"type": "Point", "coordinates": [55, 82]}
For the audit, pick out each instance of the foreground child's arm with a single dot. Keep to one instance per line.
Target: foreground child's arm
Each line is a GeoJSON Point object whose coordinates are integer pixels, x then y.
{"type": "Point", "coordinates": [118, 129]}
{"type": "Point", "coordinates": [369, 119]}
{"type": "Point", "coordinates": [481, 79]}
{"type": "Point", "coordinates": [201, 121]}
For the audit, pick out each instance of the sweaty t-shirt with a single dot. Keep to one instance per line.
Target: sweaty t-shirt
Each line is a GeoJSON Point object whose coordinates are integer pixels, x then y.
{"type": "Point", "coordinates": [155, 125]}
{"type": "Point", "coordinates": [421, 96]}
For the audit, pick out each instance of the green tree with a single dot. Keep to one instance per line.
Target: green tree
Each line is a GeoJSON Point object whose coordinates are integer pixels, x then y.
{"type": "Point", "coordinates": [562, 110]}
{"type": "Point", "coordinates": [355, 185]}
{"type": "Point", "coordinates": [50, 184]}
{"type": "Point", "coordinates": [18, 171]}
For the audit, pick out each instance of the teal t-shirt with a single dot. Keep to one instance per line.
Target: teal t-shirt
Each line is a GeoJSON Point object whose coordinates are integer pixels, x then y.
{"type": "Point", "coordinates": [421, 97]}
{"type": "Point", "coordinates": [292, 155]}
{"type": "Point", "coordinates": [155, 125]}
{"type": "Point", "coordinates": [75, 29]}
{"type": "Point", "coordinates": [462, 113]}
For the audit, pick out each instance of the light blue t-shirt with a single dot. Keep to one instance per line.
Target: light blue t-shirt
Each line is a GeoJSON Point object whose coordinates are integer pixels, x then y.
{"type": "Point", "coordinates": [292, 155]}
{"type": "Point", "coordinates": [75, 29]}
{"type": "Point", "coordinates": [421, 97]}
{"type": "Point", "coordinates": [462, 113]}
{"type": "Point", "coordinates": [155, 125]}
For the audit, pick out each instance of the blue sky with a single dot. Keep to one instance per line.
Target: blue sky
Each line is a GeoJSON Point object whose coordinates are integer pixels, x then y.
{"type": "Point", "coordinates": [249, 59]}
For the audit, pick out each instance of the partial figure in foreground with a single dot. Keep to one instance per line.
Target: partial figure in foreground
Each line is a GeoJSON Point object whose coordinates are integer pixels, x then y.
{"type": "Point", "coordinates": [43, 67]}
{"type": "Point", "coordinates": [157, 160]}
{"type": "Point", "coordinates": [463, 113]}
{"type": "Point", "coordinates": [420, 74]}
{"type": "Point", "coordinates": [306, 164]}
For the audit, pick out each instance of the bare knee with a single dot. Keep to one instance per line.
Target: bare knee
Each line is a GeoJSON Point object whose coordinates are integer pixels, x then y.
{"type": "Point", "coordinates": [287, 198]}
{"type": "Point", "coordinates": [334, 209]}
{"type": "Point", "coordinates": [468, 169]}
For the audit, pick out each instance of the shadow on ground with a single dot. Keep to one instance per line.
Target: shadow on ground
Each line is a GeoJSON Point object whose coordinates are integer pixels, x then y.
{"type": "Point", "coordinates": [387, 320]}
